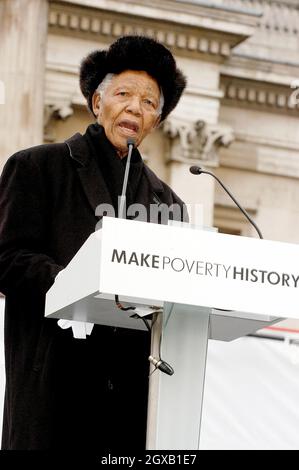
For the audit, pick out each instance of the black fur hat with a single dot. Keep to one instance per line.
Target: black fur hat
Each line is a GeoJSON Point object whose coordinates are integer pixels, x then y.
{"type": "Point", "coordinates": [134, 53]}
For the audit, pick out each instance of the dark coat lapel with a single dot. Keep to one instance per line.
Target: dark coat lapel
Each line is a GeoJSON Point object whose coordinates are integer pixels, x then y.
{"type": "Point", "coordinates": [89, 173]}
{"type": "Point", "coordinates": [154, 181]}
{"type": "Point", "coordinates": [93, 182]}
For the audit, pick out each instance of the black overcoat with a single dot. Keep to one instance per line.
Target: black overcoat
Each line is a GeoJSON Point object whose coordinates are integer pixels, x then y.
{"type": "Point", "coordinates": [63, 392]}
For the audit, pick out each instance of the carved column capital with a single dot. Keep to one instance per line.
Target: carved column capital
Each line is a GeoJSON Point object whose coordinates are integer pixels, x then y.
{"type": "Point", "coordinates": [196, 141]}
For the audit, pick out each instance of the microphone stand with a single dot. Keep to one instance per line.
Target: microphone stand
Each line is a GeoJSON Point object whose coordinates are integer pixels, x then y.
{"type": "Point", "coordinates": [122, 201]}
{"type": "Point", "coordinates": [122, 207]}
{"type": "Point", "coordinates": [157, 363]}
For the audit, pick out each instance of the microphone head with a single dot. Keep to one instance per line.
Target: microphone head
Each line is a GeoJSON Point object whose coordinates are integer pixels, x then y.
{"type": "Point", "coordinates": [130, 141]}
{"type": "Point", "coordinates": [195, 170]}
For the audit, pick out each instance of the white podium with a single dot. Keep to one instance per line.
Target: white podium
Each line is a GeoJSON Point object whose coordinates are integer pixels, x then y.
{"type": "Point", "coordinates": [208, 286]}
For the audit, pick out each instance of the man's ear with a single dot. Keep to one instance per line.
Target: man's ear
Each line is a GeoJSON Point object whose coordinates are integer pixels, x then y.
{"type": "Point", "coordinates": [96, 98]}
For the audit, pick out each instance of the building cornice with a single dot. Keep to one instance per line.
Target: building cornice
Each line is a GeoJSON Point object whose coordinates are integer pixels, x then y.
{"type": "Point", "coordinates": [276, 38]}
{"type": "Point", "coordinates": [253, 68]}
{"type": "Point", "coordinates": [252, 6]}
{"type": "Point", "coordinates": [280, 16]}
{"type": "Point", "coordinates": [229, 5]}
{"type": "Point", "coordinates": [203, 14]}
{"type": "Point", "coordinates": [292, 3]}
{"type": "Point", "coordinates": [194, 29]}
{"type": "Point", "coordinates": [258, 95]}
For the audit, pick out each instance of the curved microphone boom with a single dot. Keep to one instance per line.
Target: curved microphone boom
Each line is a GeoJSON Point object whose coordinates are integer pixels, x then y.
{"type": "Point", "coordinates": [196, 170]}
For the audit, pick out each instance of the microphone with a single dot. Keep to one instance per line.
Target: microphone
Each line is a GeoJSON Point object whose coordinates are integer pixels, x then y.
{"type": "Point", "coordinates": [196, 170]}
{"type": "Point", "coordinates": [122, 200]}
{"type": "Point", "coordinates": [161, 365]}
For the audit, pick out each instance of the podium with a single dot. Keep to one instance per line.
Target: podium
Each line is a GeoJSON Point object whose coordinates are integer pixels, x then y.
{"type": "Point", "coordinates": [191, 285]}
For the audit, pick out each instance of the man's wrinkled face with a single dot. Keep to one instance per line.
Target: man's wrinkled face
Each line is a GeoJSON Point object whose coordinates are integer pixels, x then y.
{"type": "Point", "coordinates": [129, 107]}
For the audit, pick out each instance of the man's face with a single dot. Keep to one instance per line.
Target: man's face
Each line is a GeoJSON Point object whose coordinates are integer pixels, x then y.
{"type": "Point", "coordinates": [128, 108]}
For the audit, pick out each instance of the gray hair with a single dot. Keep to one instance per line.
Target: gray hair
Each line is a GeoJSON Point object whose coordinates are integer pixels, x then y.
{"type": "Point", "coordinates": [106, 82]}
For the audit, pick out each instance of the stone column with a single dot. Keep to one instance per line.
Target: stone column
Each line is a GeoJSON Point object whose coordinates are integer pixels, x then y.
{"type": "Point", "coordinates": [195, 143]}
{"type": "Point", "coordinates": [23, 35]}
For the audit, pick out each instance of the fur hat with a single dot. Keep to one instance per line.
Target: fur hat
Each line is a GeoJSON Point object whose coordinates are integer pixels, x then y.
{"type": "Point", "coordinates": [134, 53]}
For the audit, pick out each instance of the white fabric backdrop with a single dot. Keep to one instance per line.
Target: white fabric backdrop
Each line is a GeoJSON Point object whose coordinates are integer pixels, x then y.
{"type": "Point", "coordinates": [251, 395]}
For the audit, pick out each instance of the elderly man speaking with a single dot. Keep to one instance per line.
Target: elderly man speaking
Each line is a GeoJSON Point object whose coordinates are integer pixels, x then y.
{"type": "Point", "coordinates": [63, 392]}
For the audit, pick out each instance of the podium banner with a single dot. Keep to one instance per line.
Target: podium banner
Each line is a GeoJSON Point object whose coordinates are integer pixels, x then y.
{"type": "Point", "coordinates": [197, 267]}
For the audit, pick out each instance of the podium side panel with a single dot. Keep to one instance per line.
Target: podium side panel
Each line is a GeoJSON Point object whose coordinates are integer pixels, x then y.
{"type": "Point", "coordinates": [79, 279]}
